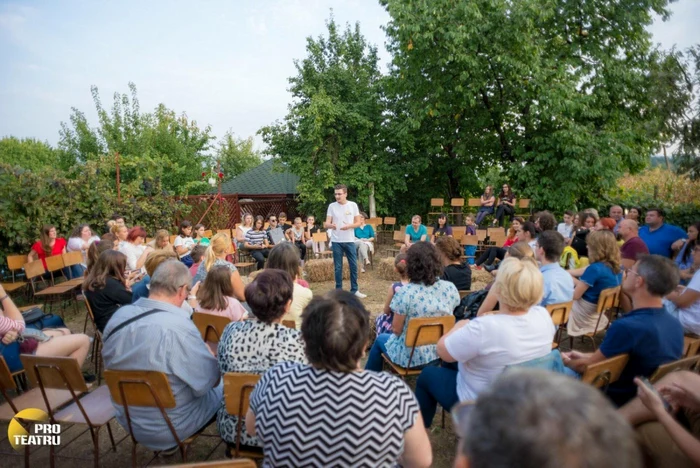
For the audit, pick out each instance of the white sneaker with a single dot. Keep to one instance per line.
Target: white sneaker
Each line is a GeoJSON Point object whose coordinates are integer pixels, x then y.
{"type": "Point", "coordinates": [360, 295]}
{"type": "Point", "coordinates": [362, 271]}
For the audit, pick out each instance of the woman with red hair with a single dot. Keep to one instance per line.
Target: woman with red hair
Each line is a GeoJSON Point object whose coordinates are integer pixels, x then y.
{"type": "Point", "coordinates": [135, 249]}
{"type": "Point", "coordinates": [605, 224]}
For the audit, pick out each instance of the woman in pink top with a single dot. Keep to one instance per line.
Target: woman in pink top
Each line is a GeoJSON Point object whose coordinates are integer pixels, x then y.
{"type": "Point", "coordinates": [215, 296]}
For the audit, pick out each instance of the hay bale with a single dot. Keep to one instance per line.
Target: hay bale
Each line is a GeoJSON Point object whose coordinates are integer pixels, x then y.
{"type": "Point", "coordinates": [478, 285]}
{"type": "Point", "coordinates": [481, 276]}
{"type": "Point", "coordinates": [385, 269]}
{"type": "Point", "coordinates": [320, 270]}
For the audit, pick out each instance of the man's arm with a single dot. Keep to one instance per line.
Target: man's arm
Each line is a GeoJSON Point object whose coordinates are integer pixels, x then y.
{"type": "Point", "coordinates": [579, 361]}
{"type": "Point", "coordinates": [328, 224]}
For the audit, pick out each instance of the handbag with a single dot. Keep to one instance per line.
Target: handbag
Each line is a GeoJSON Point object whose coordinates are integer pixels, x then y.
{"type": "Point", "coordinates": [36, 318]}
{"type": "Point", "coordinates": [32, 315]}
{"type": "Point", "coordinates": [469, 305]}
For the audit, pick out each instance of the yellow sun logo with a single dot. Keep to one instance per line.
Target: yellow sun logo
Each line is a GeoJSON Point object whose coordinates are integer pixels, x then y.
{"type": "Point", "coordinates": [19, 425]}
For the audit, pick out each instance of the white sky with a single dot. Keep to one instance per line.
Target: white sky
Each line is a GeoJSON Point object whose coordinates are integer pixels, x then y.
{"type": "Point", "coordinates": [225, 63]}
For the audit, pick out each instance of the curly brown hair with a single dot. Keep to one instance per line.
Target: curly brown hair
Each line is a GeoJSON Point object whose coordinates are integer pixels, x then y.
{"type": "Point", "coordinates": [449, 248]}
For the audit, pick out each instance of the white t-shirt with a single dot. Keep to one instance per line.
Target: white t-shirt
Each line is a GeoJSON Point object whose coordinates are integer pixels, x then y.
{"type": "Point", "coordinates": [133, 253]}
{"type": "Point", "coordinates": [75, 244]}
{"type": "Point", "coordinates": [486, 345]}
{"type": "Point", "coordinates": [186, 242]}
{"type": "Point", "coordinates": [343, 215]}
{"type": "Point", "coordinates": [565, 230]}
{"type": "Point", "coordinates": [690, 316]}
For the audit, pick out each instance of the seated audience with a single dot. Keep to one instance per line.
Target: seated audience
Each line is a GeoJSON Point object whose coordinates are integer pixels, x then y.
{"type": "Point", "coordinates": [215, 296]}
{"type": "Point", "coordinates": [470, 225]}
{"type": "Point", "coordinates": [309, 231]}
{"type": "Point", "coordinates": [383, 322]}
{"type": "Point", "coordinates": [528, 233]}
{"type": "Point", "coordinates": [121, 232]}
{"type": "Point", "coordinates": [107, 288]}
{"type": "Point", "coordinates": [684, 259]}
{"type": "Point", "coordinates": [661, 238]}
{"type": "Point", "coordinates": [285, 257]}
{"type": "Point", "coordinates": [566, 229]}
{"type": "Point", "coordinates": [441, 228]}
{"type": "Point", "coordinates": [487, 200]}
{"type": "Point", "coordinates": [454, 270]}
{"type": "Point", "coordinates": [48, 245]}
{"type": "Point", "coordinates": [275, 232]}
{"type": "Point", "coordinates": [161, 241]}
{"type": "Point", "coordinates": [633, 245]}
{"type": "Point", "coordinates": [506, 205]}
{"type": "Point", "coordinates": [107, 242]}
{"type": "Point", "coordinates": [243, 228]}
{"type": "Point", "coordinates": [61, 342]}
{"type": "Point", "coordinates": [483, 347]}
{"type": "Point", "coordinates": [491, 254]}
{"type": "Point", "coordinates": [545, 221]}
{"type": "Point", "coordinates": [415, 232]}
{"type": "Point", "coordinates": [684, 303]}
{"type": "Point", "coordinates": [587, 225]}
{"type": "Point", "coordinates": [558, 283]}
{"type": "Point", "coordinates": [603, 272]}
{"type": "Point", "coordinates": [534, 418]}
{"type": "Point", "coordinates": [518, 250]}
{"type": "Point", "coordinates": [215, 255]}
{"type": "Point", "coordinates": [79, 241]}
{"type": "Point", "coordinates": [355, 408]}
{"type": "Point", "coordinates": [254, 346]}
{"type": "Point", "coordinates": [296, 236]}
{"type": "Point", "coordinates": [425, 296]}
{"type": "Point", "coordinates": [184, 243]}
{"type": "Point", "coordinates": [617, 215]}
{"type": "Point", "coordinates": [282, 220]}
{"type": "Point", "coordinates": [197, 256]}
{"type": "Point", "coordinates": [200, 238]}
{"type": "Point", "coordinates": [135, 249]}
{"type": "Point", "coordinates": [364, 241]}
{"type": "Point", "coordinates": [165, 341]}
{"type": "Point", "coordinates": [154, 259]}
{"type": "Point", "coordinates": [667, 440]}
{"type": "Point", "coordinates": [634, 213]}
{"type": "Point", "coordinates": [649, 334]}
{"type": "Point", "coordinates": [257, 242]}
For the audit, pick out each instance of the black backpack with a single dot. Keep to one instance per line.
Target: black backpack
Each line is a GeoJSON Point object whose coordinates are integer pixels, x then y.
{"type": "Point", "coordinates": [469, 305]}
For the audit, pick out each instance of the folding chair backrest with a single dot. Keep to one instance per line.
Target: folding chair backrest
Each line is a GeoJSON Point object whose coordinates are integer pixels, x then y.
{"type": "Point", "coordinates": [54, 263]}
{"type": "Point", "coordinates": [54, 372]}
{"type": "Point", "coordinates": [691, 346]}
{"type": "Point", "coordinates": [140, 388]}
{"type": "Point", "coordinates": [437, 202]}
{"type": "Point", "coordinates": [399, 236]}
{"type": "Point", "coordinates": [208, 233]}
{"type": "Point", "coordinates": [320, 237]}
{"type": "Point", "coordinates": [172, 239]}
{"type": "Point", "coordinates": [459, 231]}
{"type": "Point", "coordinates": [72, 258]}
{"type": "Point", "coordinates": [469, 240]}
{"type": "Point", "coordinates": [560, 312]}
{"type": "Point", "coordinates": [389, 221]}
{"type": "Point", "coordinates": [473, 202]}
{"type": "Point", "coordinates": [34, 269]}
{"type": "Point", "coordinates": [463, 294]}
{"type": "Point", "coordinates": [481, 234]}
{"type": "Point", "coordinates": [91, 315]}
{"type": "Point", "coordinates": [237, 389]}
{"type": "Point", "coordinates": [16, 262]}
{"type": "Point", "coordinates": [428, 330]}
{"type": "Point", "coordinates": [6, 380]}
{"type": "Point", "coordinates": [604, 373]}
{"type": "Point", "coordinates": [524, 203]}
{"type": "Point", "coordinates": [430, 230]}
{"type": "Point", "coordinates": [689, 363]}
{"type": "Point", "coordinates": [495, 231]}
{"type": "Point", "coordinates": [210, 326]}
{"type": "Point", "coordinates": [224, 231]}
{"type": "Point", "coordinates": [498, 239]}
{"type": "Point", "coordinates": [608, 299]}
{"type": "Point", "coordinates": [457, 202]}
{"type": "Point", "coordinates": [289, 323]}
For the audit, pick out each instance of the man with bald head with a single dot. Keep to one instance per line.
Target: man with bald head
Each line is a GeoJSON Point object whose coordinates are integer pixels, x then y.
{"type": "Point", "coordinates": [618, 215]}
{"type": "Point", "coordinates": [634, 245]}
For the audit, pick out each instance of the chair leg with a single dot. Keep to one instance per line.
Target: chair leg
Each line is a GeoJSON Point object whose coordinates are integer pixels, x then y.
{"type": "Point", "coordinates": [85, 324]}
{"type": "Point", "coordinates": [443, 418]}
{"type": "Point", "coordinates": [111, 437]}
{"type": "Point", "coordinates": [96, 445]}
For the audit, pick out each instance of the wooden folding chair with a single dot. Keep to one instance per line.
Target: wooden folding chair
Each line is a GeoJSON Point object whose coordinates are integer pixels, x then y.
{"type": "Point", "coordinates": [208, 233]}
{"type": "Point", "coordinates": [237, 390]}
{"type": "Point", "coordinates": [54, 265]}
{"type": "Point", "coordinates": [399, 239]}
{"type": "Point", "coordinates": [436, 205]}
{"type": "Point", "coordinates": [603, 373]}
{"type": "Point", "coordinates": [96, 342]}
{"type": "Point", "coordinates": [421, 331]}
{"type": "Point", "coordinates": [691, 345]}
{"type": "Point", "coordinates": [457, 205]}
{"type": "Point", "coordinates": [289, 324]}
{"type": "Point", "coordinates": [93, 409]}
{"type": "Point", "coordinates": [458, 232]}
{"type": "Point", "coordinates": [466, 241]}
{"type": "Point", "coordinates": [474, 203]}
{"type": "Point", "coordinates": [495, 231]}
{"type": "Point", "coordinates": [14, 264]}
{"type": "Point", "coordinates": [50, 294]}
{"type": "Point", "coordinates": [389, 227]}
{"type": "Point", "coordinates": [322, 238]}
{"type": "Point", "coordinates": [70, 259]}
{"type": "Point", "coordinates": [608, 299]}
{"type": "Point", "coordinates": [463, 294]}
{"type": "Point", "coordinates": [560, 316]}
{"type": "Point", "coordinates": [133, 388]}
{"type": "Point", "coordinates": [524, 205]}
{"type": "Point", "coordinates": [689, 364]}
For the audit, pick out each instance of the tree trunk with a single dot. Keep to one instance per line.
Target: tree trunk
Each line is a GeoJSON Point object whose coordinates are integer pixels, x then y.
{"type": "Point", "coordinates": [668, 166]}
{"type": "Point", "coordinates": [372, 203]}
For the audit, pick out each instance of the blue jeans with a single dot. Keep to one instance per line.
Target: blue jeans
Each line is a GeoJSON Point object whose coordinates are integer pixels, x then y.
{"type": "Point", "coordinates": [572, 373]}
{"type": "Point", "coordinates": [483, 212]}
{"type": "Point", "coordinates": [347, 248]}
{"type": "Point", "coordinates": [436, 385]}
{"type": "Point", "coordinates": [374, 360]}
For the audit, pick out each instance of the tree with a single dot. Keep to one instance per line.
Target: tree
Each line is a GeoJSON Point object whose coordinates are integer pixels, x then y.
{"type": "Point", "coordinates": [555, 92]}
{"type": "Point", "coordinates": [334, 132]}
{"type": "Point", "coordinates": [688, 128]}
{"type": "Point", "coordinates": [32, 154]}
{"type": "Point", "coordinates": [236, 155]}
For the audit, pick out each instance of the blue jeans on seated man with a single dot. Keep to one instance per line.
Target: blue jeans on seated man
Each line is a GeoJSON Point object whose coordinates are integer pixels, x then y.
{"type": "Point", "coordinates": [436, 385]}
{"type": "Point", "coordinates": [347, 248]}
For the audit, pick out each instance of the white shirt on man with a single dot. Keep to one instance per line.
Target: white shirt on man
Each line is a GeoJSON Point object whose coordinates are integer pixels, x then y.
{"type": "Point", "coordinates": [343, 215]}
{"type": "Point", "coordinates": [565, 229]}
{"type": "Point", "coordinates": [690, 316]}
{"type": "Point", "coordinates": [486, 345]}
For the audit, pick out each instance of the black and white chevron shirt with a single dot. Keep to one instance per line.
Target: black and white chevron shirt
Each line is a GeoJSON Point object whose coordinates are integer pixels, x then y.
{"type": "Point", "coordinates": [311, 417]}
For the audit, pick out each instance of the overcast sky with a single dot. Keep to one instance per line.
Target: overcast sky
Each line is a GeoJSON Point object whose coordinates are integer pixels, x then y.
{"type": "Point", "coordinates": [224, 63]}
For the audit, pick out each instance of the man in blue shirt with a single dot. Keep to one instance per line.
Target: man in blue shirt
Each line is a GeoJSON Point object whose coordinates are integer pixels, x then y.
{"type": "Point", "coordinates": [558, 283]}
{"type": "Point", "coordinates": [661, 238]}
{"type": "Point", "coordinates": [649, 334]}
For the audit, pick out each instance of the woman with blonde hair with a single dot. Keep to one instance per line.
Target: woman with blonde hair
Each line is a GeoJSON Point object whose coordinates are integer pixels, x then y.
{"type": "Point", "coordinates": [483, 347]}
{"type": "Point", "coordinates": [161, 241]}
{"type": "Point", "coordinates": [519, 250]}
{"type": "Point", "coordinates": [121, 232]}
{"type": "Point", "coordinates": [243, 228]}
{"type": "Point", "coordinates": [603, 272]}
{"type": "Point", "coordinates": [215, 256]}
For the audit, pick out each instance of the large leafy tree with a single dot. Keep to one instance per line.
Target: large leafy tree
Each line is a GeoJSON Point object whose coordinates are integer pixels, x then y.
{"type": "Point", "coordinates": [686, 131]}
{"type": "Point", "coordinates": [333, 132]}
{"type": "Point", "coordinates": [32, 154]}
{"type": "Point", "coordinates": [554, 93]}
{"type": "Point", "coordinates": [236, 155]}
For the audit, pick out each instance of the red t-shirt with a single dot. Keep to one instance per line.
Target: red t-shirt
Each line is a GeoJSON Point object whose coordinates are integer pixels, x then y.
{"type": "Point", "coordinates": [633, 247]}
{"type": "Point", "coordinates": [57, 249]}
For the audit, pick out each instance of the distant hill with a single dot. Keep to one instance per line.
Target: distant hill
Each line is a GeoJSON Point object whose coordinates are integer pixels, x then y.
{"type": "Point", "coordinates": [659, 161]}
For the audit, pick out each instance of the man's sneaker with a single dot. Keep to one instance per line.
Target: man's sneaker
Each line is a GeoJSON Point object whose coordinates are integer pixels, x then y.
{"type": "Point", "coordinates": [362, 271]}
{"type": "Point", "coordinates": [360, 295]}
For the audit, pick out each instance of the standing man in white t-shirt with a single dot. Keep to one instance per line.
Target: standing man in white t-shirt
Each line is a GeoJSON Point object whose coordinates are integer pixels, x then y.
{"type": "Point", "coordinates": [343, 217]}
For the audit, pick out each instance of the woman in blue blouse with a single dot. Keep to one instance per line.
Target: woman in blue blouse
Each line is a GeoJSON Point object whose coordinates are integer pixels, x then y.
{"type": "Point", "coordinates": [603, 272]}
{"type": "Point", "coordinates": [425, 296]}
{"type": "Point", "coordinates": [415, 232]}
{"type": "Point", "coordinates": [364, 241]}
{"type": "Point", "coordinates": [684, 259]}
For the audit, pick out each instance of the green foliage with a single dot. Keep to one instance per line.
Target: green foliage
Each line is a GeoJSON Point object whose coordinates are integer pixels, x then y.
{"type": "Point", "coordinates": [29, 153]}
{"type": "Point", "coordinates": [556, 93]}
{"type": "Point", "coordinates": [333, 132]}
{"type": "Point", "coordinates": [687, 133]}
{"type": "Point", "coordinates": [85, 194]}
{"type": "Point", "coordinates": [236, 155]}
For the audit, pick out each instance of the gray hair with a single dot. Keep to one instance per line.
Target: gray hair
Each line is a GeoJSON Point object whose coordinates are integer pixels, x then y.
{"type": "Point", "coordinates": [535, 418]}
{"type": "Point", "coordinates": [170, 276]}
{"type": "Point", "coordinates": [660, 274]}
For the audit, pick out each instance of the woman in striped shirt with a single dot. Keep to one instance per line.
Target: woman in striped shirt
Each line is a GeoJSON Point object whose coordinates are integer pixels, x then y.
{"type": "Point", "coordinates": [257, 242]}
